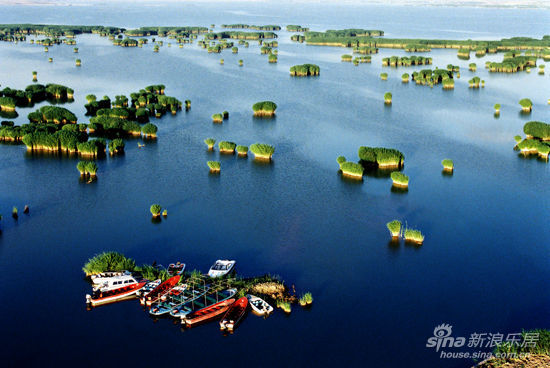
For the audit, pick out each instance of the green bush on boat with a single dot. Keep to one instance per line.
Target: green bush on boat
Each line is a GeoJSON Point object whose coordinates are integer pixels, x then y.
{"type": "Point", "coordinates": [262, 151]}
{"type": "Point", "coordinates": [155, 210]}
{"type": "Point", "coordinates": [448, 164]}
{"type": "Point", "coordinates": [210, 143]}
{"type": "Point", "coordinates": [264, 108]}
{"type": "Point", "coordinates": [399, 179]}
{"type": "Point", "coordinates": [394, 227]}
{"type": "Point", "coordinates": [108, 261]}
{"type": "Point", "coordinates": [352, 170]}
{"type": "Point", "coordinates": [226, 147]}
{"type": "Point", "coordinates": [214, 166]}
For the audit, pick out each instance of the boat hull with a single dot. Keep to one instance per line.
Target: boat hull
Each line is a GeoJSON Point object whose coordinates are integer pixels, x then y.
{"type": "Point", "coordinates": [234, 314]}
{"type": "Point", "coordinates": [206, 314]}
{"type": "Point", "coordinates": [115, 296]}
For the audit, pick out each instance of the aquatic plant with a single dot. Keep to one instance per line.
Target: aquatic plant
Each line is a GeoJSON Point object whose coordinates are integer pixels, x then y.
{"type": "Point", "coordinates": [108, 261]}
{"type": "Point", "coordinates": [472, 67]}
{"type": "Point", "coordinates": [225, 115]}
{"type": "Point", "coordinates": [116, 146]}
{"type": "Point", "coordinates": [91, 168]}
{"type": "Point", "coordinates": [387, 98]}
{"type": "Point", "coordinates": [241, 62]}
{"type": "Point", "coordinates": [155, 210]}
{"type": "Point", "coordinates": [81, 166]}
{"type": "Point", "coordinates": [399, 179]}
{"type": "Point", "coordinates": [222, 61]}
{"type": "Point", "coordinates": [284, 305]}
{"type": "Point", "coordinates": [405, 78]}
{"type": "Point", "coordinates": [217, 118]}
{"type": "Point", "coordinates": [150, 272]}
{"type": "Point", "coordinates": [394, 227]}
{"type": "Point", "coordinates": [518, 139]}
{"type": "Point", "coordinates": [272, 58]}
{"type": "Point", "coordinates": [340, 160]}
{"type": "Point", "coordinates": [526, 104]}
{"type": "Point", "coordinates": [352, 170]}
{"type": "Point", "coordinates": [381, 157]}
{"type": "Point", "coordinates": [34, 76]}
{"type": "Point", "coordinates": [384, 76]}
{"type": "Point", "coordinates": [264, 108]}
{"type": "Point", "coordinates": [210, 143]}
{"type": "Point", "coordinates": [78, 62]}
{"type": "Point", "coordinates": [242, 150]}
{"type": "Point", "coordinates": [497, 108]}
{"type": "Point", "coordinates": [306, 299]}
{"type": "Point", "coordinates": [226, 147]}
{"type": "Point", "coordinates": [541, 69]}
{"type": "Point", "coordinates": [214, 166]}
{"type": "Point", "coordinates": [537, 129]}
{"type": "Point", "coordinates": [305, 70]}
{"type": "Point", "coordinates": [149, 130]}
{"type": "Point", "coordinates": [14, 213]}
{"type": "Point", "coordinates": [262, 151]}
{"type": "Point", "coordinates": [347, 57]}
{"type": "Point", "coordinates": [414, 236]}
{"type": "Point", "coordinates": [448, 164]}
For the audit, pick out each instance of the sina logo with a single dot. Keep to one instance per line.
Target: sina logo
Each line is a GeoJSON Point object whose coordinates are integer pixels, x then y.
{"type": "Point", "coordinates": [442, 338]}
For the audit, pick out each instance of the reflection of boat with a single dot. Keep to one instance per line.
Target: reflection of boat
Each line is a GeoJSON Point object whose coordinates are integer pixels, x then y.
{"type": "Point", "coordinates": [99, 296]}
{"type": "Point", "coordinates": [259, 306]}
{"type": "Point", "coordinates": [176, 298]}
{"type": "Point", "coordinates": [150, 286]}
{"type": "Point", "coordinates": [234, 314]}
{"type": "Point", "coordinates": [160, 290]}
{"type": "Point", "coordinates": [176, 269]}
{"type": "Point", "coordinates": [207, 313]}
{"type": "Point", "coordinates": [100, 278]}
{"type": "Point", "coordinates": [204, 301]}
{"type": "Point", "coordinates": [221, 268]}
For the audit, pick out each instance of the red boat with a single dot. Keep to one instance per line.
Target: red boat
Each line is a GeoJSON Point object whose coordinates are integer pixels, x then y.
{"type": "Point", "coordinates": [102, 297]}
{"type": "Point", "coordinates": [160, 290]}
{"type": "Point", "coordinates": [234, 314]}
{"type": "Point", "coordinates": [207, 313]}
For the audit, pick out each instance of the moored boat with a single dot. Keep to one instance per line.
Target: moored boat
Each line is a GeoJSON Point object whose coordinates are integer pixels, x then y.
{"type": "Point", "coordinates": [99, 296]}
{"type": "Point", "coordinates": [234, 314]}
{"type": "Point", "coordinates": [259, 306]}
{"type": "Point", "coordinates": [100, 278]}
{"type": "Point", "coordinates": [221, 268]}
{"type": "Point", "coordinates": [207, 313]}
{"type": "Point", "coordinates": [160, 290]}
{"type": "Point", "coordinates": [150, 286]}
{"type": "Point", "coordinates": [115, 282]}
{"type": "Point", "coordinates": [178, 295]}
{"type": "Point", "coordinates": [176, 268]}
{"type": "Point", "coordinates": [204, 301]}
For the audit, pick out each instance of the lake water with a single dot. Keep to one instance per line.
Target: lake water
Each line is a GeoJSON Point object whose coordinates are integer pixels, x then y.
{"type": "Point", "coordinates": [484, 265]}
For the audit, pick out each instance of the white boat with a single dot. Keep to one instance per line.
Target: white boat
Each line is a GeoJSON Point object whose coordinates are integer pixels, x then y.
{"type": "Point", "coordinates": [221, 268]}
{"type": "Point", "coordinates": [115, 282]}
{"type": "Point", "coordinates": [259, 306]}
{"type": "Point", "coordinates": [100, 278]}
{"type": "Point", "coordinates": [148, 288]}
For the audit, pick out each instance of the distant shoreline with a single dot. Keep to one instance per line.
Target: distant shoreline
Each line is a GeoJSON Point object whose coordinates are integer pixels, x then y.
{"type": "Point", "coordinates": [502, 4]}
